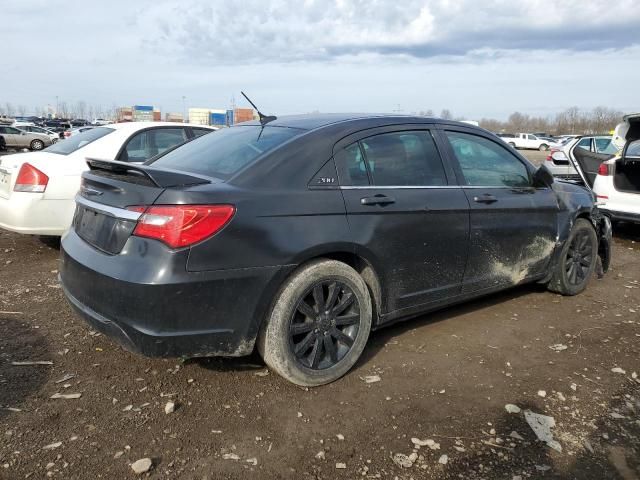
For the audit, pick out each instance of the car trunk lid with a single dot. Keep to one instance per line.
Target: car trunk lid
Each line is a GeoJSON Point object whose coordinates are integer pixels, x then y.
{"type": "Point", "coordinates": [102, 217]}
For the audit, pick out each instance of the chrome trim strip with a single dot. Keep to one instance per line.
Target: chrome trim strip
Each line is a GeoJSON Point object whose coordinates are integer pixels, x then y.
{"type": "Point", "coordinates": [409, 187]}
{"type": "Point", "coordinates": [388, 187]}
{"type": "Point", "coordinates": [115, 212]}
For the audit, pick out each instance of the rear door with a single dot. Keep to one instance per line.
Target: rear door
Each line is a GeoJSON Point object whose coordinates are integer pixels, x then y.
{"type": "Point", "coordinates": [513, 225]}
{"type": "Point", "coordinates": [406, 213]}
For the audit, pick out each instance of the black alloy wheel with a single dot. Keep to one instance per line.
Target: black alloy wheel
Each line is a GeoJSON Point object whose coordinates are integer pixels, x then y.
{"type": "Point", "coordinates": [579, 258]}
{"type": "Point", "coordinates": [324, 325]}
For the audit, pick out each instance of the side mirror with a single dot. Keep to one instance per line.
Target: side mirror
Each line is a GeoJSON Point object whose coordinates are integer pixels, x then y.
{"type": "Point", "coordinates": [542, 177]}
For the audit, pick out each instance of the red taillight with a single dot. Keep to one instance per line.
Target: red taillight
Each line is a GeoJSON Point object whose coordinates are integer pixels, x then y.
{"type": "Point", "coordinates": [181, 225]}
{"type": "Point", "coordinates": [30, 179]}
{"type": "Point", "coordinates": [604, 170]}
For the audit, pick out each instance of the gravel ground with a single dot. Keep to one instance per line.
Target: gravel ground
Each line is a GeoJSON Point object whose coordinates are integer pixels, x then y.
{"type": "Point", "coordinates": [445, 377]}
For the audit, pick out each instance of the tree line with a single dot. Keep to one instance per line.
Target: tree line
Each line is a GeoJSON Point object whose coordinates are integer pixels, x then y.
{"type": "Point", "coordinates": [63, 109]}
{"type": "Point", "coordinates": [572, 121]}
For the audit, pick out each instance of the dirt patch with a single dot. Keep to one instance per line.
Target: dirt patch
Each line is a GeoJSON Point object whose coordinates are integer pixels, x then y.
{"type": "Point", "coordinates": [445, 377]}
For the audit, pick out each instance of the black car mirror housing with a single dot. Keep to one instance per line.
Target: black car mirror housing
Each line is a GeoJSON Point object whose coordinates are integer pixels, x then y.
{"type": "Point", "coordinates": [542, 177]}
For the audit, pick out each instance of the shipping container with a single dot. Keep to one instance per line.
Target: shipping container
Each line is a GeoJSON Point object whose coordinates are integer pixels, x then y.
{"type": "Point", "coordinates": [157, 115]}
{"type": "Point", "coordinates": [143, 108]}
{"type": "Point", "coordinates": [218, 119]}
{"type": "Point", "coordinates": [242, 115]}
{"type": "Point", "coordinates": [199, 116]}
{"type": "Point", "coordinates": [174, 117]}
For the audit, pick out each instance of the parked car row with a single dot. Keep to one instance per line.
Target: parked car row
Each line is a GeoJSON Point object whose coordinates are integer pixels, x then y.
{"type": "Point", "coordinates": [607, 164]}
{"type": "Point", "coordinates": [528, 141]}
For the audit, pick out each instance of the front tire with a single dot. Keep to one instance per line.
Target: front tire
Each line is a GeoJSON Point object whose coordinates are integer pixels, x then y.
{"type": "Point", "coordinates": [37, 145]}
{"type": "Point", "coordinates": [577, 260]}
{"type": "Point", "coordinates": [319, 324]}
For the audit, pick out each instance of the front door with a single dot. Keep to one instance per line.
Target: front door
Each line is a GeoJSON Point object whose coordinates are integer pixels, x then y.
{"type": "Point", "coordinates": [513, 224]}
{"type": "Point", "coordinates": [405, 212]}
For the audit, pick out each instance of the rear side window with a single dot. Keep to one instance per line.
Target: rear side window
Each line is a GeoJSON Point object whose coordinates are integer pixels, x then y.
{"type": "Point", "coordinates": [486, 163]}
{"type": "Point", "coordinates": [352, 169]}
{"type": "Point", "coordinates": [392, 159]}
{"type": "Point", "coordinates": [149, 143]}
{"type": "Point", "coordinates": [604, 145]}
{"type": "Point", "coordinates": [78, 141]}
{"type": "Point", "coordinates": [198, 132]}
{"type": "Point", "coordinates": [227, 151]}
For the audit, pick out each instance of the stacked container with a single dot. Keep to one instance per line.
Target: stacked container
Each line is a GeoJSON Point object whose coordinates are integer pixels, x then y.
{"type": "Point", "coordinates": [242, 115]}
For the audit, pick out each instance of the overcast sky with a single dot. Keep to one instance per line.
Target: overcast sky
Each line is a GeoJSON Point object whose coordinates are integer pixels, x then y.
{"type": "Point", "coordinates": [296, 56]}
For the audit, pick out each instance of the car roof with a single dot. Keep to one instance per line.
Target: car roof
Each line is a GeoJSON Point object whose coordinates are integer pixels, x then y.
{"type": "Point", "coordinates": [134, 126]}
{"type": "Point", "coordinates": [317, 120]}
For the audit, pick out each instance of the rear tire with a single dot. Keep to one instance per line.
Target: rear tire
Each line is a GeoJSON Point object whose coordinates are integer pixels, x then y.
{"type": "Point", "coordinates": [37, 145]}
{"type": "Point", "coordinates": [577, 260]}
{"type": "Point", "coordinates": [512, 144]}
{"type": "Point", "coordinates": [544, 147]}
{"type": "Point", "coordinates": [319, 324]}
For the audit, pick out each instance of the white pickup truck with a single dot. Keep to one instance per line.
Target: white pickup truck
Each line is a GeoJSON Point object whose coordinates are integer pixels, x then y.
{"type": "Point", "coordinates": [527, 141]}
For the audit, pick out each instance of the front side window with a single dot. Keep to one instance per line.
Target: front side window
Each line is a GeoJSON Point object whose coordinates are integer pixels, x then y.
{"type": "Point", "coordinates": [487, 164]}
{"type": "Point", "coordinates": [585, 143]}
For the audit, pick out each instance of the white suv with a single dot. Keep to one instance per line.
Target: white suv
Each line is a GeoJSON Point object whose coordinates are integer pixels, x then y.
{"type": "Point", "coordinates": [616, 181]}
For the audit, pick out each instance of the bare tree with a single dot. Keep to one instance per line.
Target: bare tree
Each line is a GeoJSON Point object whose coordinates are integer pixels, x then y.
{"type": "Point", "coordinates": [81, 109]}
{"type": "Point", "coordinates": [63, 110]}
{"type": "Point", "coordinates": [9, 111]}
{"type": "Point", "coordinates": [445, 114]}
{"type": "Point", "coordinates": [22, 110]}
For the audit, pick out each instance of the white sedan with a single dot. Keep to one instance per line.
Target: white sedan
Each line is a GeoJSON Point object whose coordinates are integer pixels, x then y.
{"type": "Point", "coordinates": [37, 189]}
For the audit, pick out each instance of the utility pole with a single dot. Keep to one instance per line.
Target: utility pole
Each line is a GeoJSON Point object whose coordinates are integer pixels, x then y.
{"type": "Point", "coordinates": [56, 115]}
{"type": "Point", "coordinates": [184, 109]}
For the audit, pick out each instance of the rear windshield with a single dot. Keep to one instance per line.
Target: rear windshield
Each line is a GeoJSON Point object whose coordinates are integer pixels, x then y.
{"type": "Point", "coordinates": [223, 153]}
{"type": "Point", "coordinates": [76, 142]}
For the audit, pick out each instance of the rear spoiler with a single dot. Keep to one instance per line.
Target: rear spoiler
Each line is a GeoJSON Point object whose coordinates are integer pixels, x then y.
{"type": "Point", "coordinates": [159, 177]}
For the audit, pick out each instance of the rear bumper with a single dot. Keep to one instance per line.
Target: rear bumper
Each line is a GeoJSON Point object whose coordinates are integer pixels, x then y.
{"type": "Point", "coordinates": [161, 309]}
{"type": "Point", "coordinates": [29, 213]}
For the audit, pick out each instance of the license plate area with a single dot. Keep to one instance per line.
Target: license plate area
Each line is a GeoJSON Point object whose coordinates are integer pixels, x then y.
{"type": "Point", "coordinates": [104, 232]}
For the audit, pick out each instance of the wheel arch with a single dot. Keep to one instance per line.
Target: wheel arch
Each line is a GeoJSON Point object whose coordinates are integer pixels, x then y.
{"type": "Point", "coordinates": [344, 254]}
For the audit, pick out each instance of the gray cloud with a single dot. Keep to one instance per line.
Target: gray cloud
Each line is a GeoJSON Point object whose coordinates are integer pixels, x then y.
{"type": "Point", "coordinates": [291, 31]}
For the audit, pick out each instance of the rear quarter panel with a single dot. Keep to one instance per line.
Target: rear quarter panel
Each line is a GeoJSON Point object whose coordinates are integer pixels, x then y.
{"type": "Point", "coordinates": [271, 227]}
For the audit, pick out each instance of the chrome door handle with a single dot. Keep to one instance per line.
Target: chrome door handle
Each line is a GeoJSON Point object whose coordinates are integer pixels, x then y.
{"type": "Point", "coordinates": [377, 200]}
